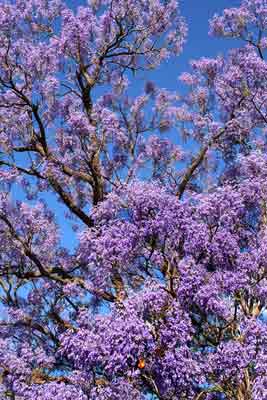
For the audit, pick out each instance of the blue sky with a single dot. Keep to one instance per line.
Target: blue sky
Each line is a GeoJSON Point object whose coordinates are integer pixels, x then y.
{"type": "Point", "coordinates": [197, 14]}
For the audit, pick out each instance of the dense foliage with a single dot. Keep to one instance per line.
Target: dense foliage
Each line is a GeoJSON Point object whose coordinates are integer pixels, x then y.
{"type": "Point", "coordinates": [164, 295]}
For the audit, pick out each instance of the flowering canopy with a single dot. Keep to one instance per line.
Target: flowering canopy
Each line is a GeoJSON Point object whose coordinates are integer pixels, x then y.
{"type": "Point", "coordinates": [164, 296]}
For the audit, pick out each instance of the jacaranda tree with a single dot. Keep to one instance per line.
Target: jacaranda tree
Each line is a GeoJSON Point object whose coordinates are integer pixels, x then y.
{"type": "Point", "coordinates": [164, 295]}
